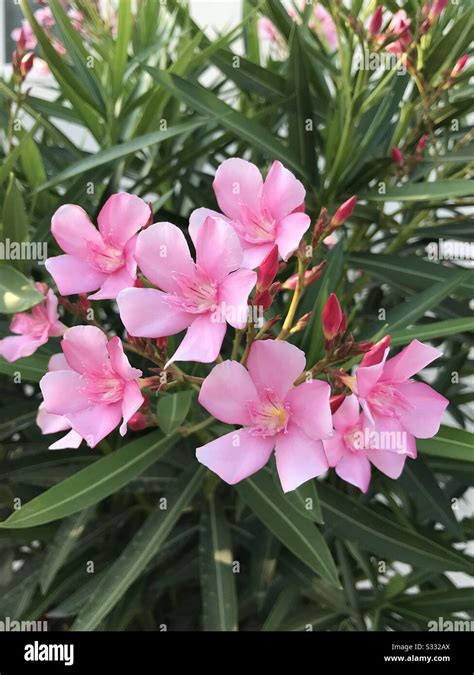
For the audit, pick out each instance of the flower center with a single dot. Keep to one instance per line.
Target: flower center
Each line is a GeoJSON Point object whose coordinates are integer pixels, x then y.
{"type": "Point", "coordinates": [107, 389]}
{"type": "Point", "coordinates": [199, 294]}
{"type": "Point", "coordinates": [107, 258]}
{"type": "Point", "coordinates": [386, 400]}
{"type": "Point", "coordinates": [256, 229]}
{"type": "Point", "coordinates": [354, 440]}
{"type": "Point", "coordinates": [269, 416]}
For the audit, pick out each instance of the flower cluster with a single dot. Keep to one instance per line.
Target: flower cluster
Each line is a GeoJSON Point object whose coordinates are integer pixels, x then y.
{"type": "Point", "coordinates": [312, 415]}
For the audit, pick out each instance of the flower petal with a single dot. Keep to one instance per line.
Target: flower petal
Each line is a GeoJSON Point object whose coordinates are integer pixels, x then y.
{"type": "Point", "coordinates": [73, 275]}
{"type": "Point", "coordinates": [197, 219]}
{"type": "Point", "coordinates": [355, 469]}
{"type": "Point", "coordinates": [58, 362]}
{"type": "Point", "coordinates": [50, 424]}
{"type": "Point", "coordinates": [226, 392]}
{"type": "Point", "coordinates": [119, 362]}
{"type": "Point", "coordinates": [218, 250]}
{"type": "Point", "coordinates": [429, 406]}
{"type": "Point", "coordinates": [389, 463]}
{"type": "Point", "coordinates": [335, 449]}
{"type": "Point", "coordinates": [290, 231]}
{"type": "Point", "coordinates": [347, 414]}
{"type": "Point", "coordinates": [298, 458]}
{"type": "Point", "coordinates": [282, 192]}
{"type": "Point", "coordinates": [368, 376]}
{"type": "Point", "coordinates": [85, 349]}
{"type": "Point", "coordinates": [236, 455]}
{"type": "Point", "coordinates": [238, 183]}
{"type": "Point", "coordinates": [275, 364]}
{"type": "Point", "coordinates": [162, 253]}
{"type": "Point", "coordinates": [72, 229]}
{"type": "Point", "coordinates": [131, 402]}
{"type": "Point", "coordinates": [121, 217]}
{"type": "Point", "coordinates": [146, 313]}
{"type": "Point", "coordinates": [113, 284]}
{"type": "Point", "coordinates": [234, 291]}
{"type": "Point", "coordinates": [413, 358]}
{"type": "Point", "coordinates": [310, 410]}
{"type": "Point", "coordinates": [202, 342]}
{"type": "Point", "coordinates": [254, 254]}
{"type": "Point", "coordinates": [96, 422]}
{"type": "Point", "coordinates": [16, 347]}
{"type": "Point", "coordinates": [70, 440]}
{"type": "Point", "coordinates": [63, 392]}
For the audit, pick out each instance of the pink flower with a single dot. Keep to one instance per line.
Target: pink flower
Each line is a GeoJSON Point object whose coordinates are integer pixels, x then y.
{"type": "Point", "coordinates": [262, 213]}
{"type": "Point", "coordinates": [387, 393]}
{"type": "Point", "coordinates": [356, 445]}
{"type": "Point", "coordinates": [25, 35]}
{"type": "Point", "coordinates": [332, 317]}
{"type": "Point", "coordinates": [44, 17]}
{"type": "Point", "coordinates": [51, 424]}
{"type": "Point", "coordinates": [437, 8]}
{"type": "Point", "coordinates": [97, 387]}
{"type": "Point", "coordinates": [459, 66]}
{"type": "Point", "coordinates": [376, 20]}
{"type": "Point", "coordinates": [344, 211]}
{"type": "Point", "coordinates": [199, 296]}
{"type": "Point", "coordinates": [267, 30]}
{"type": "Point", "coordinates": [273, 414]}
{"type": "Point", "coordinates": [33, 329]}
{"type": "Point", "coordinates": [324, 25]}
{"type": "Point", "coordinates": [397, 157]}
{"type": "Point", "coordinates": [97, 259]}
{"type": "Point", "coordinates": [399, 26]}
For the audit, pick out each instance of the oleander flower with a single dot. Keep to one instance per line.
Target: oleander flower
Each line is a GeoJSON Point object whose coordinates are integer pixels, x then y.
{"type": "Point", "coordinates": [98, 388]}
{"type": "Point", "coordinates": [262, 213]}
{"type": "Point", "coordinates": [52, 424]}
{"type": "Point", "coordinates": [33, 329]}
{"type": "Point", "coordinates": [398, 26]}
{"type": "Point", "coordinates": [273, 414]}
{"type": "Point", "coordinates": [98, 258]}
{"type": "Point", "coordinates": [201, 296]}
{"type": "Point", "coordinates": [356, 444]}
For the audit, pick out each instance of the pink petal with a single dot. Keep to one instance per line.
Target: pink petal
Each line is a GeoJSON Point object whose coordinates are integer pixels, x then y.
{"type": "Point", "coordinates": [226, 392]}
{"type": "Point", "coordinates": [429, 406]}
{"type": "Point", "coordinates": [413, 358]}
{"type": "Point", "coordinates": [282, 192]}
{"type": "Point", "coordinates": [347, 415]}
{"type": "Point", "coordinates": [16, 347]}
{"type": "Point", "coordinates": [23, 323]}
{"type": "Point", "coordinates": [50, 424]}
{"type": "Point", "coordinates": [298, 458]}
{"type": "Point", "coordinates": [275, 364]}
{"type": "Point", "coordinates": [146, 313]}
{"type": "Point", "coordinates": [58, 362]}
{"type": "Point", "coordinates": [236, 455]}
{"type": "Point", "coordinates": [85, 349]}
{"type": "Point", "coordinates": [72, 229]}
{"type": "Point", "coordinates": [389, 463]}
{"type": "Point", "coordinates": [310, 410]}
{"type": "Point", "coordinates": [113, 284]}
{"type": "Point", "coordinates": [131, 402]}
{"type": "Point", "coordinates": [218, 251]}
{"type": "Point", "coordinates": [202, 342]}
{"type": "Point", "coordinates": [355, 469]}
{"type": "Point", "coordinates": [290, 231]}
{"type": "Point", "coordinates": [73, 275]}
{"type": "Point", "coordinates": [162, 252]}
{"type": "Point", "coordinates": [335, 449]}
{"type": "Point", "coordinates": [197, 219]}
{"type": "Point", "coordinates": [96, 422]}
{"type": "Point", "coordinates": [119, 362]}
{"type": "Point", "coordinates": [63, 392]}
{"type": "Point", "coordinates": [238, 183]}
{"type": "Point", "coordinates": [254, 254]}
{"type": "Point", "coordinates": [368, 376]}
{"type": "Point", "coordinates": [234, 291]}
{"type": "Point", "coordinates": [70, 440]}
{"type": "Point", "coordinates": [51, 305]}
{"type": "Point", "coordinates": [121, 217]}
{"type": "Point", "coordinates": [390, 435]}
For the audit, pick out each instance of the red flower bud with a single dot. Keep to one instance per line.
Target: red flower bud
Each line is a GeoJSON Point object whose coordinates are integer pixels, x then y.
{"type": "Point", "coordinates": [459, 66]}
{"type": "Point", "coordinates": [335, 402]}
{"type": "Point", "coordinates": [162, 344]}
{"type": "Point", "coordinates": [344, 212]}
{"type": "Point", "coordinates": [420, 148]}
{"type": "Point", "coordinates": [375, 354]}
{"type": "Point", "coordinates": [26, 63]}
{"type": "Point", "coordinates": [137, 422]}
{"type": "Point", "coordinates": [376, 21]}
{"type": "Point", "coordinates": [397, 156]}
{"type": "Point", "coordinates": [437, 8]}
{"type": "Point", "coordinates": [362, 347]}
{"type": "Point", "coordinates": [332, 317]}
{"type": "Point", "coordinates": [21, 42]}
{"type": "Point", "coordinates": [268, 270]}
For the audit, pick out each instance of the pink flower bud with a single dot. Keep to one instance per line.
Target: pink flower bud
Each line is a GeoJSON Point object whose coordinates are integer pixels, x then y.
{"type": "Point", "coordinates": [459, 66]}
{"type": "Point", "coordinates": [137, 422]}
{"type": "Point", "coordinates": [267, 271]}
{"type": "Point", "coordinates": [344, 212]}
{"type": "Point", "coordinates": [420, 148]}
{"type": "Point", "coordinates": [376, 21]}
{"type": "Point", "coordinates": [375, 354]}
{"type": "Point", "coordinates": [397, 156]}
{"type": "Point", "coordinates": [438, 7]}
{"type": "Point", "coordinates": [335, 402]}
{"type": "Point", "coordinates": [332, 317]}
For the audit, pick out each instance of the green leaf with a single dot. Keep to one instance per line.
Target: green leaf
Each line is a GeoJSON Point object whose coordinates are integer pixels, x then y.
{"type": "Point", "coordinates": [32, 162]}
{"type": "Point", "coordinates": [449, 442]}
{"type": "Point", "coordinates": [451, 45]}
{"type": "Point", "coordinates": [219, 601]}
{"type": "Point", "coordinates": [58, 550]}
{"type": "Point", "coordinates": [440, 602]}
{"type": "Point", "coordinates": [205, 102]}
{"type": "Point", "coordinates": [9, 161]}
{"type": "Point", "coordinates": [17, 293]}
{"type": "Point", "coordinates": [139, 551]}
{"type": "Point", "coordinates": [173, 409]}
{"type": "Point", "coordinates": [305, 501]}
{"type": "Point", "coordinates": [94, 483]}
{"type": "Point", "coordinates": [439, 190]}
{"type": "Point", "coordinates": [31, 368]}
{"type": "Point", "coordinates": [281, 608]}
{"type": "Point", "coordinates": [15, 223]}
{"type": "Point", "coordinates": [353, 521]}
{"type": "Point", "coordinates": [425, 490]}
{"type": "Point", "coordinates": [298, 534]}
{"type": "Point", "coordinates": [120, 151]}
{"type": "Point", "coordinates": [432, 331]}
{"type": "Point", "coordinates": [124, 32]}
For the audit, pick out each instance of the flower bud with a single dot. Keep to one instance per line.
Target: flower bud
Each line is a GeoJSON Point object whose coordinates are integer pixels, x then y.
{"type": "Point", "coordinates": [332, 317]}
{"type": "Point", "coordinates": [459, 66]}
{"type": "Point", "coordinates": [267, 271]}
{"type": "Point", "coordinates": [397, 156]}
{"type": "Point", "coordinates": [344, 212]}
{"type": "Point", "coordinates": [376, 21]}
{"type": "Point", "coordinates": [375, 355]}
{"type": "Point", "coordinates": [335, 402]}
{"type": "Point", "coordinates": [301, 323]}
{"type": "Point", "coordinates": [437, 8]}
{"type": "Point", "coordinates": [137, 422]}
